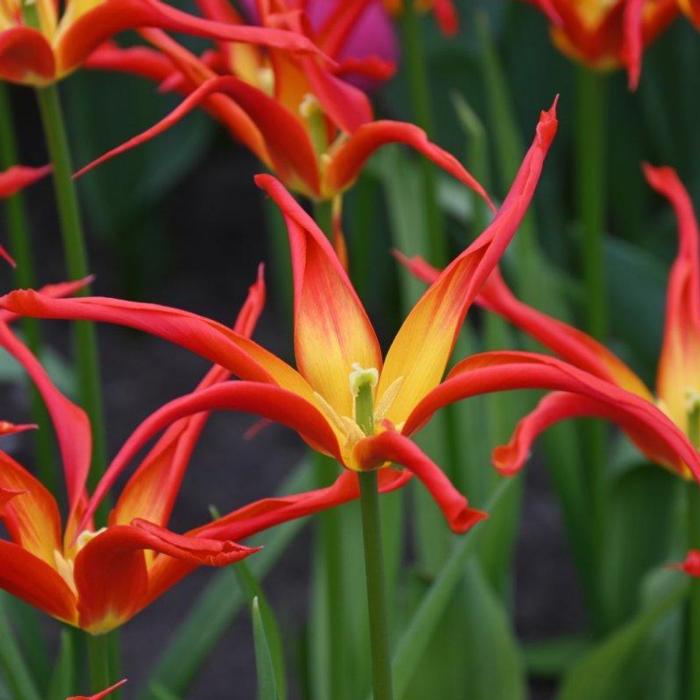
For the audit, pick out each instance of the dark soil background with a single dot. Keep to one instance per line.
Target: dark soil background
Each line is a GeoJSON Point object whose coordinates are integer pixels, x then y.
{"type": "Point", "coordinates": [215, 239]}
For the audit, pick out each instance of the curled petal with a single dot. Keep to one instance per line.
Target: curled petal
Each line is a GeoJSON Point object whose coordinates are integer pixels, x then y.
{"type": "Point", "coordinates": [261, 515]}
{"type": "Point", "coordinates": [151, 492]}
{"type": "Point", "coordinates": [101, 695]}
{"type": "Point", "coordinates": [568, 342]}
{"type": "Point", "coordinates": [213, 341]}
{"type": "Point", "coordinates": [88, 31]}
{"type": "Point", "coordinates": [679, 364]}
{"type": "Point", "coordinates": [420, 352]}
{"type": "Point", "coordinates": [347, 159]}
{"type": "Point", "coordinates": [504, 371]}
{"type": "Point", "coordinates": [135, 60]}
{"type": "Point", "coordinates": [373, 68]}
{"type": "Point", "coordinates": [69, 420]}
{"type": "Point", "coordinates": [60, 289]}
{"type": "Point", "coordinates": [25, 56]}
{"type": "Point", "coordinates": [331, 329]}
{"type": "Point", "coordinates": [558, 406]}
{"type": "Point", "coordinates": [265, 400]}
{"type": "Point", "coordinates": [18, 177]}
{"type": "Point", "coordinates": [391, 446]}
{"type": "Point", "coordinates": [30, 578]}
{"type": "Point", "coordinates": [286, 139]}
{"type": "Point", "coordinates": [111, 571]}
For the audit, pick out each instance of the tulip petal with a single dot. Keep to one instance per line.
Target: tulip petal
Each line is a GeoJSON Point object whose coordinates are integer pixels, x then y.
{"type": "Point", "coordinates": [558, 406]}
{"type": "Point", "coordinates": [101, 695]}
{"type": "Point", "coordinates": [564, 340]}
{"type": "Point", "coordinates": [18, 177]}
{"type": "Point", "coordinates": [25, 55]}
{"type": "Point", "coordinates": [151, 492]}
{"type": "Point", "coordinates": [84, 34]}
{"type": "Point", "coordinates": [30, 578]}
{"type": "Point", "coordinates": [60, 289]}
{"type": "Point", "coordinates": [261, 515]}
{"type": "Point", "coordinates": [29, 511]}
{"type": "Point", "coordinates": [632, 45]}
{"type": "Point", "coordinates": [111, 571]}
{"type": "Point", "coordinates": [419, 354]}
{"type": "Point", "coordinates": [241, 356]}
{"type": "Point", "coordinates": [349, 157]}
{"type": "Point", "coordinates": [287, 143]}
{"type": "Point", "coordinates": [339, 24]}
{"type": "Point", "coordinates": [265, 400]}
{"type": "Point", "coordinates": [69, 420]}
{"type": "Point", "coordinates": [391, 446]}
{"type": "Point", "coordinates": [134, 60]}
{"type": "Point", "coordinates": [679, 364]}
{"type": "Point", "coordinates": [7, 257]}
{"type": "Point", "coordinates": [505, 371]}
{"type": "Point", "coordinates": [331, 328]}
{"type": "Point", "coordinates": [446, 15]}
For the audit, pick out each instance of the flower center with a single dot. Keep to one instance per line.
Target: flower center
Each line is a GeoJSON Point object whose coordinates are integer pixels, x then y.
{"type": "Point", "coordinates": [692, 410]}
{"type": "Point", "coordinates": [66, 565]}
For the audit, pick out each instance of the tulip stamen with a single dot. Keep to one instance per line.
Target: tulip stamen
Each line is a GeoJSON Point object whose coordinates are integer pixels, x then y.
{"type": "Point", "coordinates": [312, 113]}
{"type": "Point", "coordinates": [692, 408]}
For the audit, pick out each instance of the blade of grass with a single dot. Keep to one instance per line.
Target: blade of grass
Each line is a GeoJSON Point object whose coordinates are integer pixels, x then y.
{"type": "Point", "coordinates": [219, 604]}
{"type": "Point", "coordinates": [14, 667]}
{"type": "Point", "coordinates": [267, 684]}
{"type": "Point", "coordinates": [62, 681]}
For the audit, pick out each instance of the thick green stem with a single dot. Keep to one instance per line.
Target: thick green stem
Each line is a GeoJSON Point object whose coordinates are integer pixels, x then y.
{"type": "Point", "coordinates": [25, 277]}
{"type": "Point", "coordinates": [376, 593]}
{"type": "Point", "coordinates": [590, 202]}
{"type": "Point", "coordinates": [85, 339]}
{"type": "Point", "coordinates": [99, 661]}
{"type": "Point", "coordinates": [693, 605]}
{"type": "Point", "coordinates": [417, 73]}
{"type": "Point", "coordinates": [590, 194]}
{"type": "Point", "coordinates": [363, 381]}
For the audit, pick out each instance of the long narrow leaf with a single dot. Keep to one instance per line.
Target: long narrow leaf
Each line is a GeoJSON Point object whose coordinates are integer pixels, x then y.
{"type": "Point", "coordinates": [12, 663]}
{"type": "Point", "coordinates": [267, 685]}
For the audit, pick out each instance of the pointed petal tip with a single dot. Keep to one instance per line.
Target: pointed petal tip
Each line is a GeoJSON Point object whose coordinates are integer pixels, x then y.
{"type": "Point", "coordinates": [466, 519]}
{"type": "Point", "coordinates": [7, 257]}
{"type": "Point", "coordinates": [690, 565]}
{"type": "Point", "coordinates": [7, 428]}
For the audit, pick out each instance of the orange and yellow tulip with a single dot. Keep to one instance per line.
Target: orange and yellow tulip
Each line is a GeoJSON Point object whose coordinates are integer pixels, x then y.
{"type": "Point", "coordinates": [98, 579]}
{"type": "Point", "coordinates": [607, 34]}
{"type": "Point", "coordinates": [39, 47]}
{"type": "Point", "coordinates": [307, 124]}
{"type": "Point", "coordinates": [676, 402]}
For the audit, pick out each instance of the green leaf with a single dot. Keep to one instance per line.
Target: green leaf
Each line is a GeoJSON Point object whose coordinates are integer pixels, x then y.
{"type": "Point", "coordinates": [62, 682]}
{"type": "Point", "coordinates": [612, 670]}
{"type": "Point", "coordinates": [14, 668]}
{"type": "Point", "coordinates": [549, 658]}
{"type": "Point", "coordinates": [267, 685]}
{"type": "Point", "coordinates": [422, 626]}
{"type": "Point", "coordinates": [161, 693]}
{"type": "Point", "coordinates": [254, 592]}
{"type": "Point", "coordinates": [219, 604]}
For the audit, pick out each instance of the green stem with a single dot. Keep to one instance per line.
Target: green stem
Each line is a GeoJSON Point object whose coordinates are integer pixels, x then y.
{"type": "Point", "coordinates": [85, 339]}
{"type": "Point", "coordinates": [590, 193]}
{"type": "Point", "coordinates": [590, 202]}
{"type": "Point", "coordinates": [376, 593]}
{"type": "Point", "coordinates": [25, 277]}
{"type": "Point", "coordinates": [693, 605]}
{"type": "Point", "coordinates": [417, 73]}
{"type": "Point", "coordinates": [98, 661]}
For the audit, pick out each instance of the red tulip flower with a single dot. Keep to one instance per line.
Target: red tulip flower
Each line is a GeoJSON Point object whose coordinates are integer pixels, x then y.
{"type": "Point", "coordinates": [307, 124]}
{"type": "Point", "coordinates": [607, 34]}
{"type": "Point", "coordinates": [674, 409]}
{"type": "Point", "coordinates": [43, 41]}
